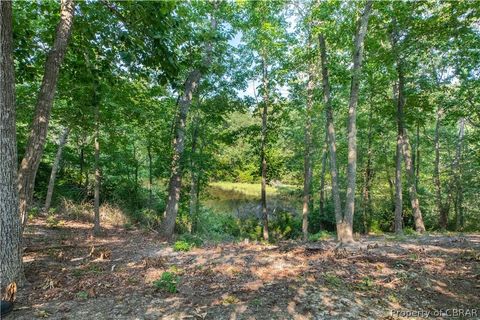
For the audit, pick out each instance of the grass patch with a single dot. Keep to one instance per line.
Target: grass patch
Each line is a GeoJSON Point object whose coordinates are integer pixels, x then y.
{"type": "Point", "coordinates": [322, 235]}
{"type": "Point", "coordinates": [168, 282]}
{"type": "Point", "coordinates": [332, 279]}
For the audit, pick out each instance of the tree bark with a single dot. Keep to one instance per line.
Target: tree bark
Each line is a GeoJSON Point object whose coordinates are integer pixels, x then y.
{"type": "Point", "coordinates": [331, 139]}
{"type": "Point", "coordinates": [262, 151]}
{"type": "Point", "coordinates": [307, 162]}
{"type": "Point", "coordinates": [56, 163]}
{"type": "Point", "coordinates": [10, 225]}
{"type": "Point", "coordinates": [352, 121]}
{"type": "Point", "coordinates": [38, 130]}
{"type": "Point", "coordinates": [184, 102]}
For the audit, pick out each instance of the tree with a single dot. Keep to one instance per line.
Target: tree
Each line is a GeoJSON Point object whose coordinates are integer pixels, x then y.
{"type": "Point", "coordinates": [344, 221]}
{"type": "Point", "coordinates": [10, 230]}
{"type": "Point", "coordinates": [178, 142]}
{"type": "Point", "coordinates": [56, 163]}
{"type": "Point", "coordinates": [346, 235]}
{"type": "Point", "coordinates": [39, 126]}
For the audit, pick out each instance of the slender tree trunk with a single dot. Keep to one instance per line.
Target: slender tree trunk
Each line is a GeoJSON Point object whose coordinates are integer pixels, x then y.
{"type": "Point", "coordinates": [352, 121]}
{"type": "Point", "coordinates": [10, 230]}
{"type": "Point", "coordinates": [81, 160]}
{"type": "Point", "coordinates": [398, 221]}
{"type": "Point", "coordinates": [457, 169]}
{"type": "Point", "coordinates": [150, 176]}
{"type": "Point", "coordinates": [307, 162]}
{"type": "Point", "coordinates": [193, 182]}
{"type": "Point", "coordinates": [406, 148]}
{"type": "Point", "coordinates": [184, 102]}
{"type": "Point", "coordinates": [417, 214]}
{"type": "Point", "coordinates": [38, 130]}
{"type": "Point", "coordinates": [262, 151]}
{"type": "Point", "coordinates": [398, 187]}
{"type": "Point", "coordinates": [96, 226]}
{"type": "Point", "coordinates": [417, 157]}
{"type": "Point", "coordinates": [367, 179]}
{"type": "Point", "coordinates": [56, 163]}
{"type": "Point", "coordinates": [443, 214]}
{"type": "Point", "coordinates": [331, 138]}
{"type": "Point", "coordinates": [322, 180]}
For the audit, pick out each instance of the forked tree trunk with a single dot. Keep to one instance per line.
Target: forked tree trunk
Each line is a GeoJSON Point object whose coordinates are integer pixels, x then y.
{"type": "Point", "coordinates": [262, 151]}
{"type": "Point", "coordinates": [38, 129]}
{"type": "Point", "coordinates": [352, 122]}
{"type": "Point", "coordinates": [56, 163]}
{"type": "Point", "coordinates": [184, 102]}
{"type": "Point", "coordinates": [10, 230]}
{"type": "Point", "coordinates": [307, 161]}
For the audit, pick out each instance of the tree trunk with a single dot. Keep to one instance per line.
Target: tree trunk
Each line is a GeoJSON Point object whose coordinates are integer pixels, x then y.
{"type": "Point", "coordinates": [56, 163]}
{"type": "Point", "coordinates": [443, 214]}
{"type": "Point", "coordinates": [150, 177]}
{"type": "Point", "coordinates": [262, 151]}
{"type": "Point", "coordinates": [322, 181]}
{"type": "Point", "coordinates": [417, 157]}
{"type": "Point", "coordinates": [367, 179]}
{"type": "Point", "coordinates": [193, 182]}
{"type": "Point", "coordinates": [10, 231]}
{"type": "Point", "coordinates": [398, 221]}
{"type": "Point", "coordinates": [96, 105]}
{"type": "Point", "coordinates": [184, 102]}
{"type": "Point", "coordinates": [398, 186]}
{"type": "Point", "coordinates": [307, 162]}
{"type": "Point", "coordinates": [331, 139]}
{"type": "Point", "coordinates": [38, 130]}
{"type": "Point", "coordinates": [457, 169]}
{"type": "Point", "coordinates": [352, 121]}
{"type": "Point", "coordinates": [405, 144]}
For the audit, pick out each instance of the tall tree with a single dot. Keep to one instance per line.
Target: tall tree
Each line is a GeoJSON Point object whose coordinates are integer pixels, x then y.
{"type": "Point", "coordinates": [332, 145]}
{"type": "Point", "coordinates": [10, 227]}
{"type": "Point", "coordinates": [307, 157]}
{"type": "Point", "coordinates": [184, 102]}
{"type": "Point", "coordinates": [39, 126]}
{"type": "Point", "coordinates": [352, 122]}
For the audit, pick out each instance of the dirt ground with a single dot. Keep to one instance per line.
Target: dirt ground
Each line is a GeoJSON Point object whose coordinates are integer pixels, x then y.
{"type": "Point", "coordinates": [74, 276]}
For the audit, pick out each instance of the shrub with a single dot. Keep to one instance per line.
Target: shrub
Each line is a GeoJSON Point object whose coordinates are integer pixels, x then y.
{"type": "Point", "coordinates": [322, 235]}
{"type": "Point", "coordinates": [182, 246]}
{"type": "Point", "coordinates": [168, 282]}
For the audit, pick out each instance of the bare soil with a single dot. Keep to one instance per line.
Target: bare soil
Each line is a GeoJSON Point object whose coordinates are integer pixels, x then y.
{"type": "Point", "coordinates": [72, 275]}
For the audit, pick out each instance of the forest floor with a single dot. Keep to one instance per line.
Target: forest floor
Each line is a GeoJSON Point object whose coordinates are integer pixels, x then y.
{"type": "Point", "coordinates": [74, 276]}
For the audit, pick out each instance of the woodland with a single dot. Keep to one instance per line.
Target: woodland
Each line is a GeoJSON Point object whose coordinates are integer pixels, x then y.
{"type": "Point", "coordinates": [241, 159]}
